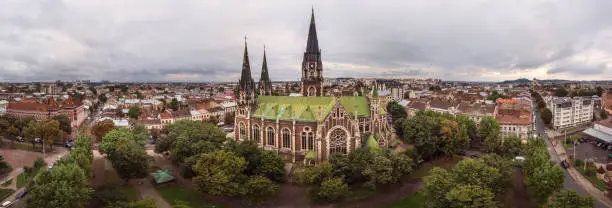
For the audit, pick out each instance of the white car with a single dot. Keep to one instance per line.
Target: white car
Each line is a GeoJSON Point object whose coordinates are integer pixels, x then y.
{"type": "Point", "coordinates": [6, 204]}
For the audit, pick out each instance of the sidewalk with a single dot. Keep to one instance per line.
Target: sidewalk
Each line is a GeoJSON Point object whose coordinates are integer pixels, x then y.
{"type": "Point", "coordinates": [580, 179]}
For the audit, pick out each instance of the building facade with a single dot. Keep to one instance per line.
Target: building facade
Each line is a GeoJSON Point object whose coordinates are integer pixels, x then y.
{"type": "Point", "coordinates": [76, 112]}
{"type": "Point", "coordinates": [308, 127]}
{"type": "Point", "coordinates": [569, 112]}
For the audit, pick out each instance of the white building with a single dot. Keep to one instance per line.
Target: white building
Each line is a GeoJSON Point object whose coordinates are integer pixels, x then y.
{"type": "Point", "coordinates": [569, 112]}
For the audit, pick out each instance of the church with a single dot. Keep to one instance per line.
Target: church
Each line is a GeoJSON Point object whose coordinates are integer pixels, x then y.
{"type": "Point", "coordinates": [309, 127]}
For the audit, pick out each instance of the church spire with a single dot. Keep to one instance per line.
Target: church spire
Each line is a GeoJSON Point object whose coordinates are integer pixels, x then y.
{"type": "Point", "coordinates": [312, 46]}
{"type": "Point", "coordinates": [265, 85]}
{"type": "Point", "coordinates": [246, 81]}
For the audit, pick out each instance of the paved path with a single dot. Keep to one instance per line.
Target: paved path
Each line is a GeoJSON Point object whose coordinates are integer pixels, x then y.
{"type": "Point", "coordinates": [147, 190]}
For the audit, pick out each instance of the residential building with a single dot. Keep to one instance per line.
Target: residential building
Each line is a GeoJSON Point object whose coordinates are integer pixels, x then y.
{"type": "Point", "coordinates": [569, 112]}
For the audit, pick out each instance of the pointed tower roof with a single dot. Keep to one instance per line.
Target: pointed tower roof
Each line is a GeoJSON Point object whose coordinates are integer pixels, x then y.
{"type": "Point", "coordinates": [264, 68]}
{"type": "Point", "coordinates": [246, 80]}
{"type": "Point", "coordinates": [312, 45]}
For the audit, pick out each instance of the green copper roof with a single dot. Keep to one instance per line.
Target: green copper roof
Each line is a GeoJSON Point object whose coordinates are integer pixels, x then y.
{"type": "Point", "coordinates": [372, 144]}
{"type": "Point", "coordinates": [307, 108]}
{"type": "Point", "coordinates": [162, 176]}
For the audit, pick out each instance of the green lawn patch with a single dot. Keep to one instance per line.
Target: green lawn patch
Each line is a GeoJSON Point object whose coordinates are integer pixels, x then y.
{"type": "Point", "coordinates": [598, 183]}
{"type": "Point", "coordinates": [22, 180]}
{"type": "Point", "coordinates": [131, 193]}
{"type": "Point", "coordinates": [7, 183]}
{"type": "Point", "coordinates": [444, 162]}
{"type": "Point", "coordinates": [4, 193]}
{"type": "Point", "coordinates": [173, 194]}
{"type": "Point", "coordinates": [358, 193]}
{"type": "Point", "coordinates": [414, 200]}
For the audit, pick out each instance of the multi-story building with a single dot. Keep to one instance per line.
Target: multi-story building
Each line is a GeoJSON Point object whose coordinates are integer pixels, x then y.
{"type": "Point", "coordinates": [569, 112]}
{"type": "Point", "coordinates": [45, 110]}
{"type": "Point", "coordinates": [476, 111]}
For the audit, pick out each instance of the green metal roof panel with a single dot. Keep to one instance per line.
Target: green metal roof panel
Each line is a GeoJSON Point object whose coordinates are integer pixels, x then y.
{"type": "Point", "coordinates": [306, 108]}
{"type": "Point", "coordinates": [162, 176]}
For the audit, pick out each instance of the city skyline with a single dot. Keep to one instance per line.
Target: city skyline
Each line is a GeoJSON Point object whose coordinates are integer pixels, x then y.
{"type": "Point", "coordinates": [202, 41]}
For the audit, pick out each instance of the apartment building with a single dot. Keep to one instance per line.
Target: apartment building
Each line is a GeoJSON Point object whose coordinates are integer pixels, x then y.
{"type": "Point", "coordinates": [569, 112]}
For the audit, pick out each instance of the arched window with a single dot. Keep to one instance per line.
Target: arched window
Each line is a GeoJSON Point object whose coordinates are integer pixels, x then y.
{"type": "Point", "coordinates": [307, 139]}
{"type": "Point", "coordinates": [242, 131]}
{"type": "Point", "coordinates": [256, 133]}
{"type": "Point", "coordinates": [310, 141]}
{"type": "Point", "coordinates": [286, 138]}
{"type": "Point", "coordinates": [312, 91]}
{"type": "Point", "coordinates": [270, 133]}
{"type": "Point", "coordinates": [304, 140]}
{"type": "Point", "coordinates": [337, 141]}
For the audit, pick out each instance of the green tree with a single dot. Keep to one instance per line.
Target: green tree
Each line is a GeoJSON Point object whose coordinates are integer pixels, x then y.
{"type": "Point", "coordinates": [134, 112]}
{"type": "Point", "coordinates": [4, 166]}
{"type": "Point", "coordinates": [511, 147]}
{"type": "Point", "coordinates": [468, 124]}
{"type": "Point", "coordinates": [472, 196]}
{"type": "Point", "coordinates": [260, 189]}
{"type": "Point", "coordinates": [396, 111]}
{"type": "Point", "coordinates": [272, 166]}
{"type": "Point", "coordinates": [331, 189]}
{"type": "Point", "coordinates": [174, 104]}
{"type": "Point", "coordinates": [315, 175]}
{"type": "Point", "coordinates": [50, 132]}
{"type": "Point", "coordinates": [219, 173]}
{"type": "Point", "coordinates": [546, 115]}
{"type": "Point", "coordinates": [190, 138]}
{"type": "Point", "coordinates": [129, 159]}
{"type": "Point", "coordinates": [66, 185]}
{"type": "Point", "coordinates": [32, 131]}
{"type": "Point", "coordinates": [64, 122]}
{"type": "Point", "coordinates": [545, 181]}
{"type": "Point", "coordinates": [571, 199]}
{"type": "Point", "coordinates": [603, 114]}
{"type": "Point", "coordinates": [380, 171]}
{"type": "Point", "coordinates": [561, 92]}
{"type": "Point", "coordinates": [489, 131]}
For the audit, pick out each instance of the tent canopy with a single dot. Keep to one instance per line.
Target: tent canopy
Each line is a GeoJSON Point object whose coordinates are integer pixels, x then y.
{"type": "Point", "coordinates": [162, 176]}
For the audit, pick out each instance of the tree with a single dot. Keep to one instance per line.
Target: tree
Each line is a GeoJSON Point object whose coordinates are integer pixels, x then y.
{"type": "Point", "coordinates": [437, 184]}
{"type": "Point", "coordinates": [468, 124]}
{"type": "Point", "coordinates": [380, 171]}
{"type": "Point", "coordinates": [219, 173]}
{"type": "Point", "coordinates": [4, 166]}
{"type": "Point", "coordinates": [571, 199]}
{"type": "Point", "coordinates": [126, 152]}
{"type": "Point", "coordinates": [272, 166]}
{"type": "Point", "coordinates": [315, 175]}
{"type": "Point", "coordinates": [546, 115]}
{"type": "Point", "coordinates": [100, 129]}
{"type": "Point", "coordinates": [511, 147]}
{"type": "Point", "coordinates": [331, 189]}
{"type": "Point", "coordinates": [603, 114]}
{"type": "Point", "coordinates": [545, 181]}
{"type": "Point", "coordinates": [561, 92]}
{"type": "Point", "coordinates": [50, 132]}
{"type": "Point", "coordinates": [65, 123]}
{"type": "Point", "coordinates": [4, 125]}
{"type": "Point", "coordinates": [174, 104]}
{"type": "Point", "coordinates": [190, 138]}
{"type": "Point", "coordinates": [134, 112]}
{"type": "Point", "coordinates": [470, 196]}
{"type": "Point", "coordinates": [260, 189]}
{"type": "Point", "coordinates": [66, 185]}
{"type": "Point", "coordinates": [31, 132]}
{"type": "Point", "coordinates": [12, 132]}
{"type": "Point", "coordinates": [396, 111]}
{"type": "Point", "coordinates": [489, 131]}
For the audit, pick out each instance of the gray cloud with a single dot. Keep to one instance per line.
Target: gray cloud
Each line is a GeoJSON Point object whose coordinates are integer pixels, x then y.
{"type": "Point", "coordinates": [202, 40]}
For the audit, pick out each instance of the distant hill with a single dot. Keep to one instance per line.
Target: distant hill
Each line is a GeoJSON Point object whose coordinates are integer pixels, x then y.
{"type": "Point", "coordinates": [517, 81]}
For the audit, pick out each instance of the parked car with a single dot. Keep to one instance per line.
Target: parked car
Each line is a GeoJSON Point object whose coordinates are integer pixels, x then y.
{"type": "Point", "coordinates": [21, 194]}
{"type": "Point", "coordinates": [564, 164]}
{"type": "Point", "coordinates": [20, 139]}
{"type": "Point", "coordinates": [6, 204]}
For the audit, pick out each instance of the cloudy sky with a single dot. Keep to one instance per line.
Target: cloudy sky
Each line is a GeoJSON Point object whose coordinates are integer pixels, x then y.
{"type": "Point", "coordinates": [201, 40]}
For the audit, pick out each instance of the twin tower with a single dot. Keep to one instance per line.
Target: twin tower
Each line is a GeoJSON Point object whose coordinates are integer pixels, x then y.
{"type": "Point", "coordinates": [312, 71]}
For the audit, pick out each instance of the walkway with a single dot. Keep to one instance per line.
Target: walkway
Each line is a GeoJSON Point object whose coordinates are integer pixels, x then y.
{"type": "Point", "coordinates": [147, 190]}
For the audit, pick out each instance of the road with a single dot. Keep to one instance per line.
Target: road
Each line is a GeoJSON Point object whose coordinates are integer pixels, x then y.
{"type": "Point", "coordinates": [568, 181]}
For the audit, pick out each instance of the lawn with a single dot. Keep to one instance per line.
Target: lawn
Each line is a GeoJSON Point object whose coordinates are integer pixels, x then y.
{"type": "Point", "coordinates": [414, 200]}
{"type": "Point", "coordinates": [172, 194]}
{"type": "Point", "coordinates": [5, 193]}
{"type": "Point", "coordinates": [131, 192]}
{"type": "Point", "coordinates": [444, 162]}
{"type": "Point", "coordinates": [598, 183]}
{"type": "Point", "coordinates": [7, 183]}
{"type": "Point", "coordinates": [22, 180]}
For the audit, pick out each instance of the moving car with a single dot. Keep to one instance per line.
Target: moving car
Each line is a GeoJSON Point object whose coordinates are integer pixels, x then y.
{"type": "Point", "coordinates": [6, 204]}
{"type": "Point", "coordinates": [21, 194]}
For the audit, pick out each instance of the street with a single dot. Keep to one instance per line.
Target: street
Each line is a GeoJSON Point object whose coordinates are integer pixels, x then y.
{"type": "Point", "coordinates": [568, 182]}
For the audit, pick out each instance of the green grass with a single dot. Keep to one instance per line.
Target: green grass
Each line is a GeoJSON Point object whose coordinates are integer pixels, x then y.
{"type": "Point", "coordinates": [4, 193]}
{"type": "Point", "coordinates": [131, 192]}
{"type": "Point", "coordinates": [414, 200]}
{"type": "Point", "coordinates": [7, 183]}
{"type": "Point", "coordinates": [358, 193]}
{"type": "Point", "coordinates": [22, 180]}
{"type": "Point", "coordinates": [598, 183]}
{"type": "Point", "coordinates": [172, 194]}
{"type": "Point", "coordinates": [424, 169]}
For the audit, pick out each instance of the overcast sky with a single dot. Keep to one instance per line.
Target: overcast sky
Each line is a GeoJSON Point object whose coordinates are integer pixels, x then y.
{"type": "Point", "coordinates": [201, 40]}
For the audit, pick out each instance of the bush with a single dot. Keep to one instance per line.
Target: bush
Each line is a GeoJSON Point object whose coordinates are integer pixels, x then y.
{"type": "Point", "coordinates": [331, 189]}
{"type": "Point", "coordinates": [578, 163]}
{"type": "Point", "coordinates": [590, 171]}
{"type": "Point", "coordinates": [260, 189]}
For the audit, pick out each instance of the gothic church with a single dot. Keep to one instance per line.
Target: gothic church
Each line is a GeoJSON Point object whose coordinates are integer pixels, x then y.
{"type": "Point", "coordinates": [312, 126]}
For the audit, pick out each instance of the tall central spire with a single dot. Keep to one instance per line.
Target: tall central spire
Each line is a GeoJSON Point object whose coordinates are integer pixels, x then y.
{"type": "Point", "coordinates": [312, 46]}
{"type": "Point", "coordinates": [246, 80]}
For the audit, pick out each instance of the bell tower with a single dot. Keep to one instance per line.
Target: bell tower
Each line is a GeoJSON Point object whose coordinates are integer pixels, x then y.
{"type": "Point", "coordinates": [312, 67]}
